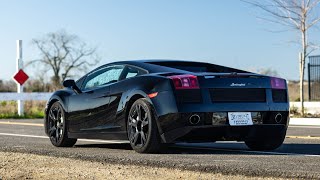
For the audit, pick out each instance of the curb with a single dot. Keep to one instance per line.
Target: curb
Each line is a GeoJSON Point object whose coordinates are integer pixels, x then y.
{"type": "Point", "coordinates": [305, 121]}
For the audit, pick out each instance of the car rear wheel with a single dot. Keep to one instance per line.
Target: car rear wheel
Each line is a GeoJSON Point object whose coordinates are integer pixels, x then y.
{"type": "Point", "coordinates": [56, 125]}
{"type": "Point", "coordinates": [267, 144]}
{"type": "Point", "coordinates": [142, 128]}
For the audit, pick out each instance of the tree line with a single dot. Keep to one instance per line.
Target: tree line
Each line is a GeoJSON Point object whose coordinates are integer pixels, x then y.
{"type": "Point", "coordinates": [32, 85]}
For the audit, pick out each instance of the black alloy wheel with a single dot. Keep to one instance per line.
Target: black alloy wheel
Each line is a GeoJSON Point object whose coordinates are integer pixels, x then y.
{"type": "Point", "coordinates": [142, 128]}
{"type": "Point", "coordinates": [56, 124]}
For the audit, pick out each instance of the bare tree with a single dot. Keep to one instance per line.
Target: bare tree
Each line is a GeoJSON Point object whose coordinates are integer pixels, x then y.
{"type": "Point", "coordinates": [268, 71]}
{"type": "Point", "coordinates": [299, 15]}
{"type": "Point", "coordinates": [63, 54]}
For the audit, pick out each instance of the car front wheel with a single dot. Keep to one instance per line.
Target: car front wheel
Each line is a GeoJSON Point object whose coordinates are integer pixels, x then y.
{"type": "Point", "coordinates": [56, 125]}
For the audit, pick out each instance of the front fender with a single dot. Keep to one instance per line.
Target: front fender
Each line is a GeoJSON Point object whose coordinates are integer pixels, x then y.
{"type": "Point", "coordinates": [62, 97]}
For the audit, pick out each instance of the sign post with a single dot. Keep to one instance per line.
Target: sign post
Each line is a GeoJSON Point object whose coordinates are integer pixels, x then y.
{"type": "Point", "coordinates": [19, 66]}
{"type": "Point", "coordinates": [20, 77]}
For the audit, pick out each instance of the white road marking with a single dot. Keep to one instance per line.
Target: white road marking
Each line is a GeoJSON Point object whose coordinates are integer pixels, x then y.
{"type": "Point", "coordinates": [23, 135]}
{"type": "Point", "coordinates": [311, 127]}
{"type": "Point", "coordinates": [21, 123]}
{"type": "Point", "coordinates": [304, 137]}
{"type": "Point", "coordinates": [45, 137]}
{"type": "Point", "coordinates": [36, 124]}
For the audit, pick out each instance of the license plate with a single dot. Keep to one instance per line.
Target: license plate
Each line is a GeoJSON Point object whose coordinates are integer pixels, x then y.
{"type": "Point", "coordinates": [240, 118]}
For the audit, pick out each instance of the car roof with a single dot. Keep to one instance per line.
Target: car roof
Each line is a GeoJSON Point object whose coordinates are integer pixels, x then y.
{"type": "Point", "coordinates": [168, 65]}
{"type": "Point", "coordinates": [148, 65]}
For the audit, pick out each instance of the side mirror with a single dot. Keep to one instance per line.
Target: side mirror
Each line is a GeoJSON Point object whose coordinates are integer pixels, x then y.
{"type": "Point", "coordinates": [70, 83]}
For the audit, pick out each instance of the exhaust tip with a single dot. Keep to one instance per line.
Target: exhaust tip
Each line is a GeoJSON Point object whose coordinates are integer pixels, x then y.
{"type": "Point", "coordinates": [194, 119]}
{"type": "Point", "coordinates": [278, 118]}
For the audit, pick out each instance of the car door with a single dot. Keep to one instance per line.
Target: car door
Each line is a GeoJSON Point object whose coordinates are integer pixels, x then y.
{"type": "Point", "coordinates": [117, 90]}
{"type": "Point", "coordinates": [90, 109]}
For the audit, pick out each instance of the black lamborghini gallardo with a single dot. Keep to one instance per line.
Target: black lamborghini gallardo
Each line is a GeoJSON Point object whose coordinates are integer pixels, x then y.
{"type": "Point", "coordinates": [155, 102]}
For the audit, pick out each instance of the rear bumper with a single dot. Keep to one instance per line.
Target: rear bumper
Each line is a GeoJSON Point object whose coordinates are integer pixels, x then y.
{"type": "Point", "coordinates": [177, 127]}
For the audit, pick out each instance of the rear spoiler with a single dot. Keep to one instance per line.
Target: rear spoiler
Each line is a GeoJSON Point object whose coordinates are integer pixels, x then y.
{"type": "Point", "coordinates": [213, 75]}
{"type": "Point", "coordinates": [232, 74]}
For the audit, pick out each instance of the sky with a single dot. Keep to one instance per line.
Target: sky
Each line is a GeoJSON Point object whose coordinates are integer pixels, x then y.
{"type": "Point", "coordinates": [221, 32]}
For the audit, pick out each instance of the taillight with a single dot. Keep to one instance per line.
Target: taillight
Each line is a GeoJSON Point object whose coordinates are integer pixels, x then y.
{"type": "Point", "coordinates": [185, 81]}
{"type": "Point", "coordinates": [277, 83]}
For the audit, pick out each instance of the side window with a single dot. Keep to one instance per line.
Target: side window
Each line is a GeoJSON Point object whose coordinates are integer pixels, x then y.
{"type": "Point", "coordinates": [132, 71]}
{"type": "Point", "coordinates": [103, 76]}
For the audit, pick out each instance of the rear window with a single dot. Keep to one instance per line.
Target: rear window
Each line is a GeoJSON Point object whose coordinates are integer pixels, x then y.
{"type": "Point", "coordinates": [197, 67]}
{"type": "Point", "coordinates": [191, 68]}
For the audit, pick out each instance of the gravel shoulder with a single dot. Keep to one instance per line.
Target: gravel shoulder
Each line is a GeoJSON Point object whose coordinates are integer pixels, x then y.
{"type": "Point", "coordinates": [30, 166]}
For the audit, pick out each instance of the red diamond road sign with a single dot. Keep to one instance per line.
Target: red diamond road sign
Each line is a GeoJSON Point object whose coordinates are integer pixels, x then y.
{"type": "Point", "coordinates": [21, 77]}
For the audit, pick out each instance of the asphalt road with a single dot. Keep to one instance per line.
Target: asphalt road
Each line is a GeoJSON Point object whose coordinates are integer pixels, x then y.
{"type": "Point", "coordinates": [298, 157]}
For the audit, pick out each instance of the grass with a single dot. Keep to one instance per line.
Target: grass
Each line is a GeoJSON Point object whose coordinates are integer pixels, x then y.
{"type": "Point", "coordinates": [294, 92]}
{"type": "Point", "coordinates": [32, 110]}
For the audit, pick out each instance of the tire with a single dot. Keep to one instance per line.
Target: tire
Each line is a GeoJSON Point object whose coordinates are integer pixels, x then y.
{"type": "Point", "coordinates": [142, 128]}
{"type": "Point", "coordinates": [267, 144]}
{"type": "Point", "coordinates": [57, 127]}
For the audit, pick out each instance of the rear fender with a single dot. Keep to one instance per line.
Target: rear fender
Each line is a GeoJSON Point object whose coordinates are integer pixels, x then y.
{"type": "Point", "coordinates": [130, 97]}
{"type": "Point", "coordinates": [144, 86]}
{"type": "Point", "coordinates": [127, 100]}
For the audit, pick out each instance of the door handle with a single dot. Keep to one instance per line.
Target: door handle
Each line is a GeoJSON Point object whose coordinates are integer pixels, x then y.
{"type": "Point", "coordinates": [106, 94]}
{"type": "Point", "coordinates": [90, 92]}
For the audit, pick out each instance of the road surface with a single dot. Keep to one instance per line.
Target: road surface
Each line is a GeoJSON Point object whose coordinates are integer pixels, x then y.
{"type": "Point", "coordinates": [298, 157]}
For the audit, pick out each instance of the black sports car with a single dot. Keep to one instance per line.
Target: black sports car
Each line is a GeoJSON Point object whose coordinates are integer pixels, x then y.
{"type": "Point", "coordinates": [156, 102]}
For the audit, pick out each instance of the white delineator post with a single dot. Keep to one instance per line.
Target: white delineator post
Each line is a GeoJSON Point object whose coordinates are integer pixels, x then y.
{"type": "Point", "coordinates": [19, 66]}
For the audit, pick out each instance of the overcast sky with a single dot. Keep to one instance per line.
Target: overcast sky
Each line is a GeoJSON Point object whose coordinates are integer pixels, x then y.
{"type": "Point", "coordinates": [221, 32]}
